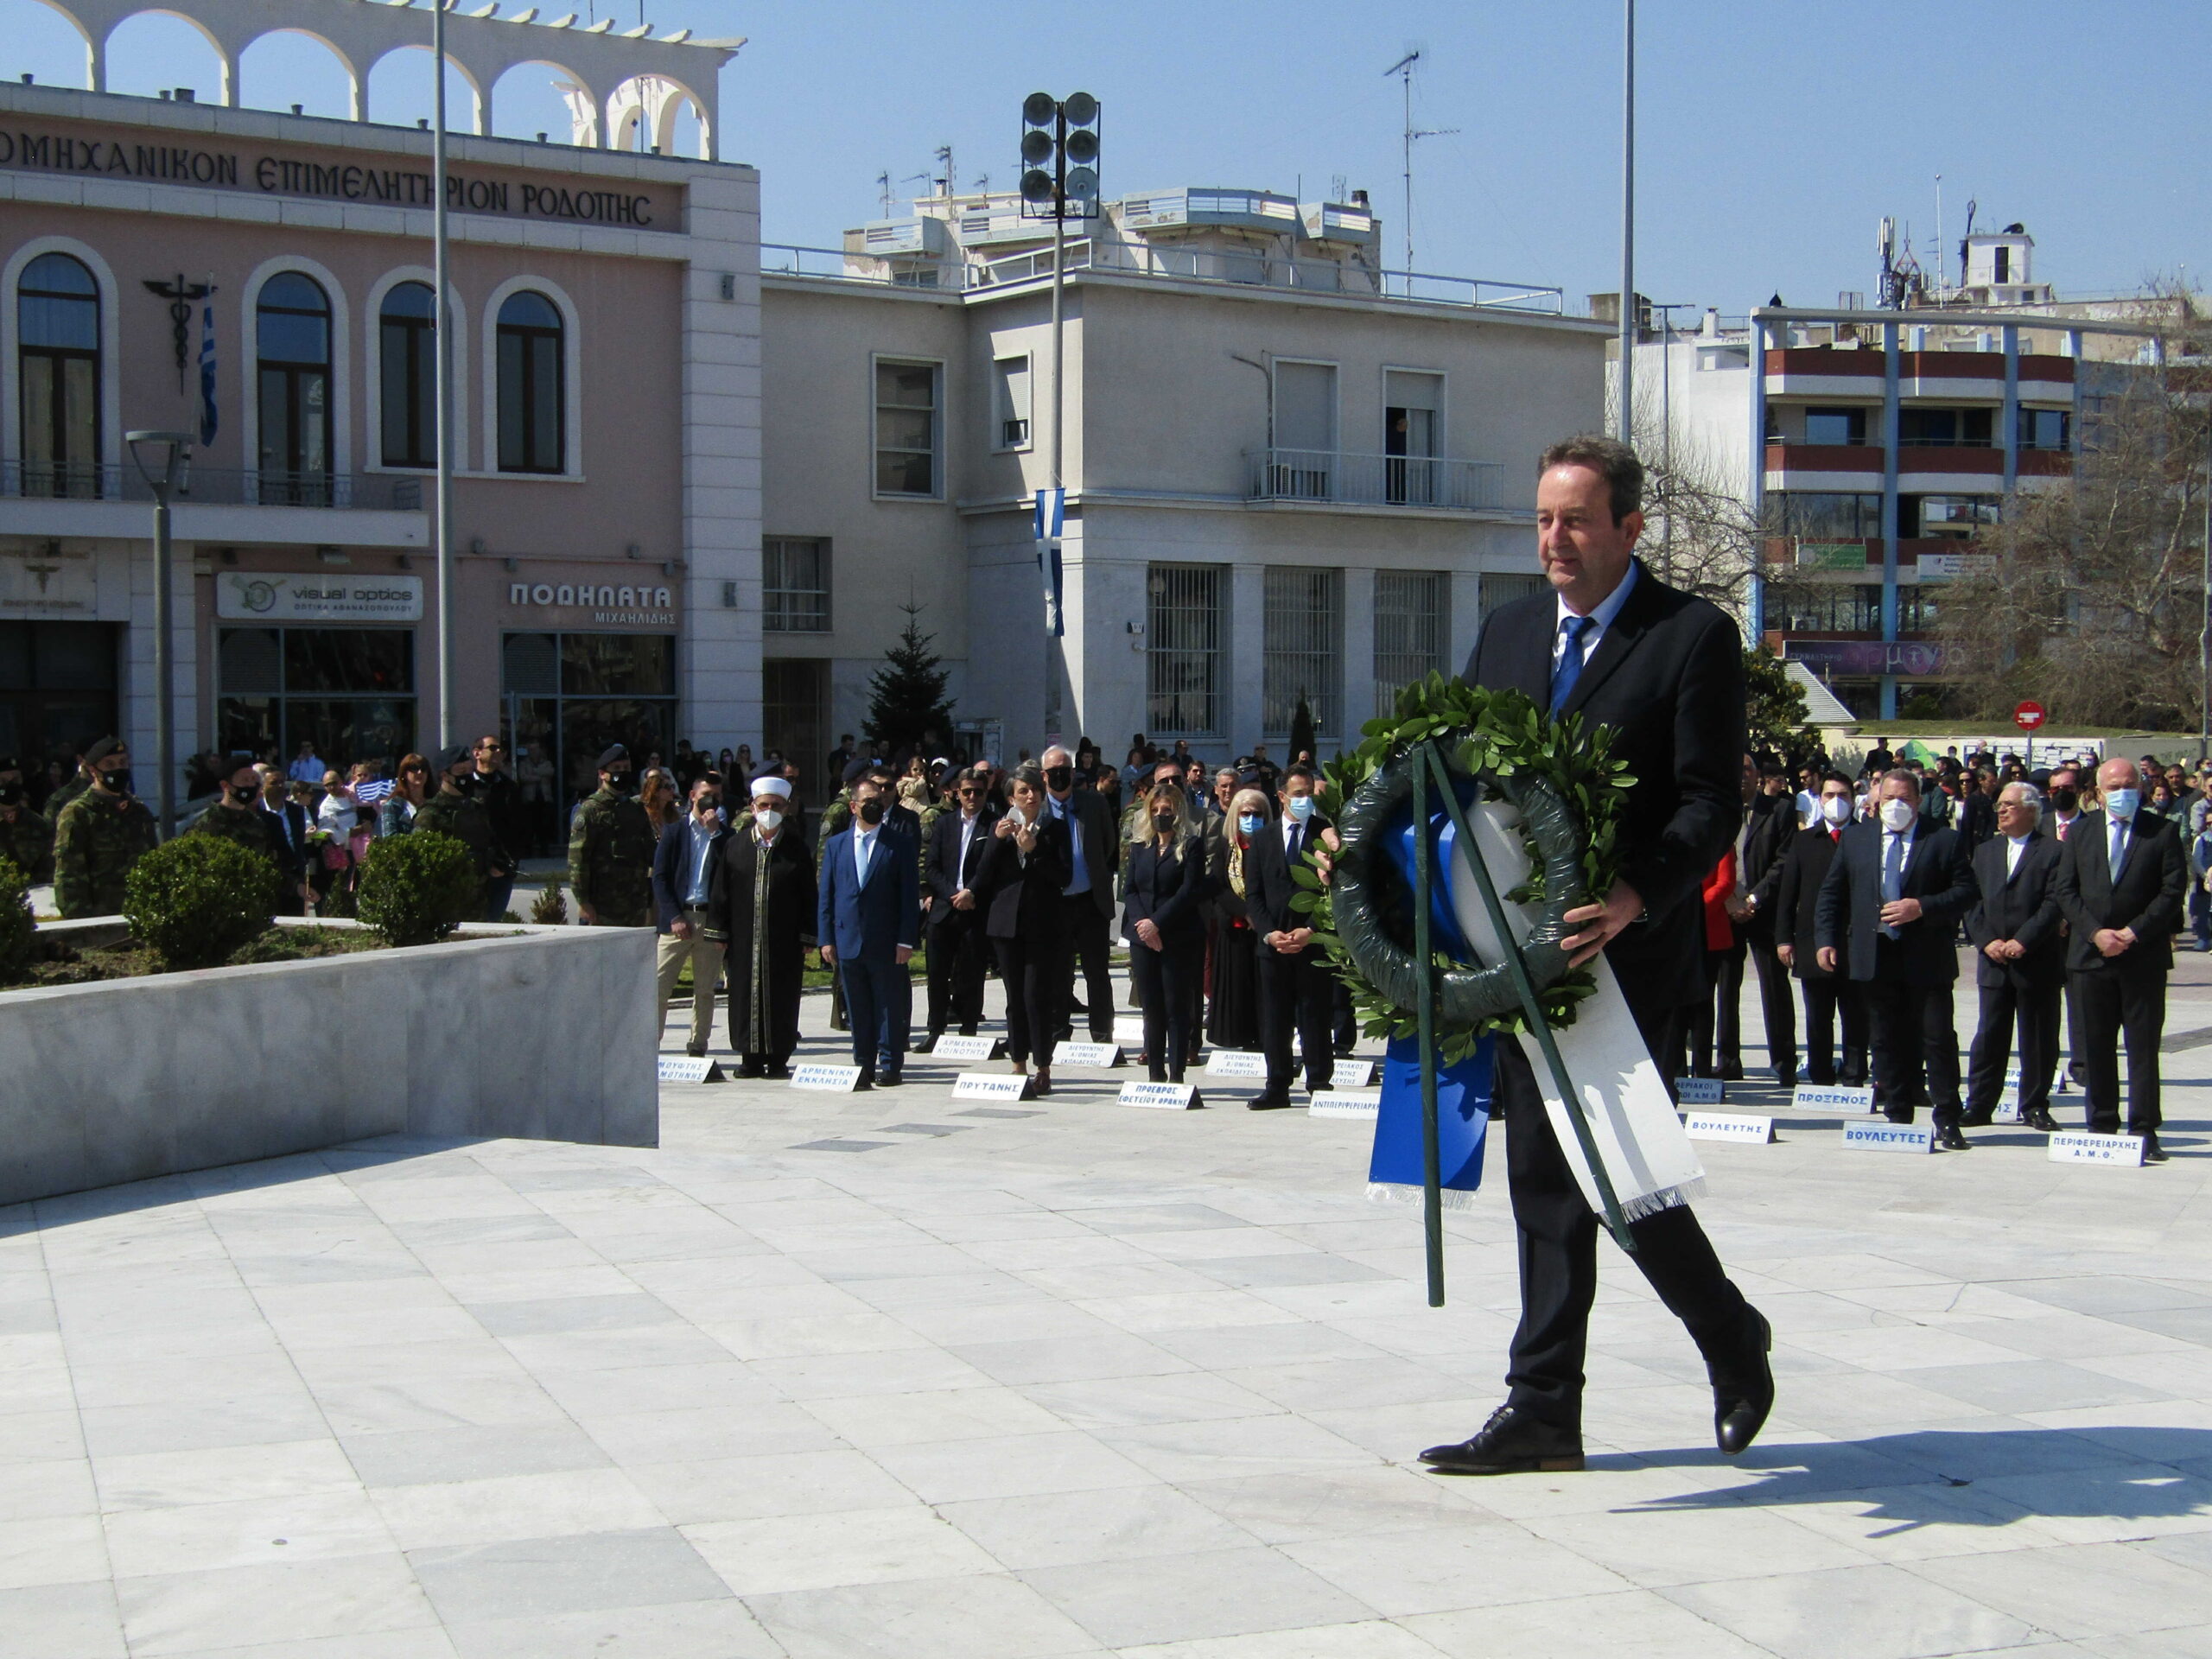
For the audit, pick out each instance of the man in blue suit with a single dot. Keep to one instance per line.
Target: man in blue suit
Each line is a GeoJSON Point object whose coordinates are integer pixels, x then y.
{"type": "Point", "coordinates": [870, 919]}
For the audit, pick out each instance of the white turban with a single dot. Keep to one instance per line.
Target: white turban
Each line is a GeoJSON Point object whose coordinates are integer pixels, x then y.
{"type": "Point", "coordinates": [772, 785]}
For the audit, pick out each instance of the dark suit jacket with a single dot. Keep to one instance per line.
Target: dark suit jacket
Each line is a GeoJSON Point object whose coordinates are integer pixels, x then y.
{"type": "Point", "coordinates": [2022, 905]}
{"type": "Point", "coordinates": [1169, 891]}
{"type": "Point", "coordinates": [1773, 826]}
{"type": "Point", "coordinates": [2147, 898]}
{"type": "Point", "coordinates": [291, 827]}
{"type": "Point", "coordinates": [669, 872]}
{"type": "Point", "coordinates": [1021, 898]}
{"type": "Point", "coordinates": [1796, 904]}
{"type": "Point", "coordinates": [1267, 884]}
{"type": "Point", "coordinates": [1935, 872]}
{"type": "Point", "coordinates": [870, 920]}
{"type": "Point", "coordinates": [944, 873]}
{"type": "Point", "coordinates": [1102, 844]}
{"type": "Point", "coordinates": [1667, 679]}
{"type": "Point", "coordinates": [1977, 818]}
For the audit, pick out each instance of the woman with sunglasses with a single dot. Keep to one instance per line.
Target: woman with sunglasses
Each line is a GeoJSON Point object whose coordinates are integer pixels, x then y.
{"type": "Point", "coordinates": [409, 791]}
{"type": "Point", "coordinates": [1028, 862]}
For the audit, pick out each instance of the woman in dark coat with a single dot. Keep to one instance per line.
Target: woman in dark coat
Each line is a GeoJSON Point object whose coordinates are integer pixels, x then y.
{"type": "Point", "coordinates": [1233, 1018]}
{"type": "Point", "coordinates": [1027, 863]}
{"type": "Point", "coordinates": [1163, 917]}
{"type": "Point", "coordinates": [759, 903]}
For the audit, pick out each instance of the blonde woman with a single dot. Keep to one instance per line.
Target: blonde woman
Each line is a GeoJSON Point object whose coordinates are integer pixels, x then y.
{"type": "Point", "coordinates": [1029, 861]}
{"type": "Point", "coordinates": [1233, 1019]}
{"type": "Point", "coordinates": [1163, 917]}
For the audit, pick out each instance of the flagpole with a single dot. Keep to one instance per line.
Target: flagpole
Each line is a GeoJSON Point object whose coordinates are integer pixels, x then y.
{"type": "Point", "coordinates": [441, 343]}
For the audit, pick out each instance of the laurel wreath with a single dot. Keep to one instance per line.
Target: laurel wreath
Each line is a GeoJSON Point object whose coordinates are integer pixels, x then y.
{"type": "Point", "coordinates": [1489, 735]}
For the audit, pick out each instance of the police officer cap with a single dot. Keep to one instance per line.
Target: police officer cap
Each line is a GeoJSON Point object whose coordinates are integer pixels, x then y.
{"type": "Point", "coordinates": [613, 759]}
{"type": "Point", "coordinates": [858, 770]}
{"type": "Point", "coordinates": [453, 753]}
{"type": "Point", "coordinates": [105, 747]}
{"type": "Point", "coordinates": [1251, 777]}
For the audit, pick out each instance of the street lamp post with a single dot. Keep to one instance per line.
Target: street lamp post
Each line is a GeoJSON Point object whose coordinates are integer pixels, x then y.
{"type": "Point", "coordinates": [1624, 417]}
{"type": "Point", "coordinates": [164, 461]}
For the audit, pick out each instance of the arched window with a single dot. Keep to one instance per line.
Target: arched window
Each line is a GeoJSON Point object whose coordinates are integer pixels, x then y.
{"type": "Point", "coordinates": [292, 323]}
{"type": "Point", "coordinates": [531, 430]}
{"type": "Point", "coordinates": [58, 332]}
{"type": "Point", "coordinates": [408, 345]}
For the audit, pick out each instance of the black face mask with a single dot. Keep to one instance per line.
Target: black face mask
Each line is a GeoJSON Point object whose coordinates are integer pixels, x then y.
{"type": "Point", "coordinates": [2065, 799]}
{"type": "Point", "coordinates": [243, 793]}
{"type": "Point", "coordinates": [462, 785]}
{"type": "Point", "coordinates": [118, 780]}
{"type": "Point", "coordinates": [10, 794]}
{"type": "Point", "coordinates": [1059, 778]}
{"type": "Point", "coordinates": [621, 781]}
{"type": "Point", "coordinates": [1163, 822]}
{"type": "Point", "coordinates": [710, 807]}
{"type": "Point", "coordinates": [870, 811]}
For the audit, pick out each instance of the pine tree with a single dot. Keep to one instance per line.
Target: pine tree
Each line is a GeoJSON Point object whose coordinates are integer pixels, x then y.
{"type": "Point", "coordinates": [1775, 712]}
{"type": "Point", "coordinates": [907, 709]}
{"type": "Point", "coordinates": [1302, 741]}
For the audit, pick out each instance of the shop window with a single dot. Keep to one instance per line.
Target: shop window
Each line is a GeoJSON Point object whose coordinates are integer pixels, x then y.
{"type": "Point", "coordinates": [566, 698]}
{"type": "Point", "coordinates": [58, 371]}
{"type": "Point", "coordinates": [349, 692]}
{"type": "Point", "coordinates": [533, 385]}
{"type": "Point", "coordinates": [794, 584]}
{"type": "Point", "coordinates": [407, 369]}
{"type": "Point", "coordinates": [795, 717]}
{"type": "Point", "coordinates": [908, 428]}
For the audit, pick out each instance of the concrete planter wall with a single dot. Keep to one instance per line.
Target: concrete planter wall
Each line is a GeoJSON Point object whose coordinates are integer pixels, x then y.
{"type": "Point", "coordinates": [541, 1032]}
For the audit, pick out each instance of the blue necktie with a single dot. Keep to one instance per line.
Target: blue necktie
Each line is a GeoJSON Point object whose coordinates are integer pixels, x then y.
{"type": "Point", "coordinates": [1893, 877]}
{"type": "Point", "coordinates": [1569, 668]}
{"type": "Point", "coordinates": [2119, 827]}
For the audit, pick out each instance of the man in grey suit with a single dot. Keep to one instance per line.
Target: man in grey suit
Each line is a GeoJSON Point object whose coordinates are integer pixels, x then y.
{"type": "Point", "coordinates": [2021, 963]}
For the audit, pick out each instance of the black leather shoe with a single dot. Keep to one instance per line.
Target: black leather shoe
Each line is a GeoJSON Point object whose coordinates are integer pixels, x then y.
{"type": "Point", "coordinates": [696, 1051]}
{"type": "Point", "coordinates": [1785, 1078]}
{"type": "Point", "coordinates": [2041, 1121]}
{"type": "Point", "coordinates": [1732, 1072]}
{"type": "Point", "coordinates": [1268, 1103]}
{"type": "Point", "coordinates": [1510, 1443]}
{"type": "Point", "coordinates": [1950, 1139]}
{"type": "Point", "coordinates": [890, 1079]}
{"type": "Point", "coordinates": [2152, 1152]}
{"type": "Point", "coordinates": [1743, 1393]}
{"type": "Point", "coordinates": [867, 1081]}
{"type": "Point", "coordinates": [1980, 1120]}
{"type": "Point", "coordinates": [778, 1073]}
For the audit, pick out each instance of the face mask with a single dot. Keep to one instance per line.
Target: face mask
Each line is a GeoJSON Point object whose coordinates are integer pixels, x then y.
{"type": "Point", "coordinates": [767, 820]}
{"type": "Point", "coordinates": [1163, 822]}
{"type": "Point", "coordinates": [1059, 778]}
{"type": "Point", "coordinates": [460, 785]}
{"type": "Point", "coordinates": [621, 781]}
{"type": "Point", "coordinates": [243, 793]}
{"type": "Point", "coordinates": [870, 811]}
{"type": "Point", "coordinates": [10, 794]}
{"type": "Point", "coordinates": [1899, 814]}
{"type": "Point", "coordinates": [2065, 799]}
{"type": "Point", "coordinates": [1301, 808]}
{"type": "Point", "coordinates": [1836, 809]}
{"type": "Point", "coordinates": [2122, 803]}
{"type": "Point", "coordinates": [1249, 822]}
{"type": "Point", "coordinates": [118, 780]}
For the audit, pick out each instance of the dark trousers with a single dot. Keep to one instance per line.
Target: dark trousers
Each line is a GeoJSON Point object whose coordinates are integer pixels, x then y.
{"type": "Point", "coordinates": [2113, 1004]}
{"type": "Point", "coordinates": [880, 999]}
{"type": "Point", "coordinates": [2033, 1009]}
{"type": "Point", "coordinates": [1035, 977]}
{"type": "Point", "coordinates": [1163, 979]}
{"type": "Point", "coordinates": [1826, 999]}
{"type": "Point", "coordinates": [956, 968]}
{"type": "Point", "coordinates": [498, 891]}
{"type": "Point", "coordinates": [1777, 1007]}
{"type": "Point", "coordinates": [1295, 997]}
{"type": "Point", "coordinates": [1916, 1045]}
{"type": "Point", "coordinates": [1559, 1255]}
{"type": "Point", "coordinates": [1087, 945]}
{"type": "Point", "coordinates": [1716, 1019]}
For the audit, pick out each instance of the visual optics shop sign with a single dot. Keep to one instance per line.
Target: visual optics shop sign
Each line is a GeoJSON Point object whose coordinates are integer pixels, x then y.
{"type": "Point", "coordinates": [267, 596]}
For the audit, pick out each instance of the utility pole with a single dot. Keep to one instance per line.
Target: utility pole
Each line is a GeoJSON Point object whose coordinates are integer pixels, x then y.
{"type": "Point", "coordinates": [1624, 421]}
{"type": "Point", "coordinates": [441, 343]}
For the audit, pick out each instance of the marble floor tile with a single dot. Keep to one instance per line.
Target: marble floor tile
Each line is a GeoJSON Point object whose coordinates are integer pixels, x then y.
{"type": "Point", "coordinates": [1180, 1598]}
{"type": "Point", "coordinates": [820, 1552]}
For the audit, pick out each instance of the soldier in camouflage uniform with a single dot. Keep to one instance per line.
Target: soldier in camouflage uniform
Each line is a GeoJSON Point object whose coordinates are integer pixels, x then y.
{"type": "Point", "coordinates": [26, 839]}
{"type": "Point", "coordinates": [237, 816]}
{"type": "Point", "coordinates": [452, 812]}
{"type": "Point", "coordinates": [611, 849]}
{"type": "Point", "coordinates": [79, 781]}
{"type": "Point", "coordinates": [101, 836]}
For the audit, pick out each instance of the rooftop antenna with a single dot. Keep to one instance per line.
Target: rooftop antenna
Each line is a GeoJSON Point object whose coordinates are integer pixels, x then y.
{"type": "Point", "coordinates": [1403, 68]}
{"type": "Point", "coordinates": [883, 192]}
{"type": "Point", "coordinates": [1965, 237]}
{"type": "Point", "coordinates": [1941, 286]}
{"type": "Point", "coordinates": [1338, 182]}
{"type": "Point", "coordinates": [944, 156]}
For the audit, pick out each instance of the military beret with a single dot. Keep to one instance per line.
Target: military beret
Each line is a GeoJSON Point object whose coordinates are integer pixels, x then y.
{"type": "Point", "coordinates": [614, 757]}
{"type": "Point", "coordinates": [9, 763]}
{"type": "Point", "coordinates": [857, 770]}
{"type": "Point", "coordinates": [105, 747]}
{"type": "Point", "coordinates": [453, 753]}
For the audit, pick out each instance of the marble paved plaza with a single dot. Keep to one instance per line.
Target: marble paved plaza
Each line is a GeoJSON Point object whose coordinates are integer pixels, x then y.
{"type": "Point", "coordinates": [890, 1375]}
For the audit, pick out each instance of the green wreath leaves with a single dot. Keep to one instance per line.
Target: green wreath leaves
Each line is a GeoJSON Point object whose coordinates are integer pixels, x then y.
{"type": "Point", "coordinates": [1492, 735]}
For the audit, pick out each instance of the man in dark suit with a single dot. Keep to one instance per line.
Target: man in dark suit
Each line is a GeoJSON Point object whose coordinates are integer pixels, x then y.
{"type": "Point", "coordinates": [1890, 905]}
{"type": "Point", "coordinates": [958, 840]}
{"type": "Point", "coordinates": [1796, 908]}
{"type": "Point", "coordinates": [2121, 877]}
{"type": "Point", "coordinates": [1296, 988]}
{"type": "Point", "coordinates": [1759, 853]}
{"type": "Point", "coordinates": [1090, 896]}
{"type": "Point", "coordinates": [2022, 963]}
{"type": "Point", "coordinates": [683, 876]}
{"type": "Point", "coordinates": [869, 920]}
{"type": "Point", "coordinates": [290, 826]}
{"type": "Point", "coordinates": [1664, 672]}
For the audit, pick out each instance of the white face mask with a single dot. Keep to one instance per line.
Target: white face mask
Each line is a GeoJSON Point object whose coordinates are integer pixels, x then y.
{"type": "Point", "coordinates": [1836, 809]}
{"type": "Point", "coordinates": [767, 819]}
{"type": "Point", "coordinates": [1899, 814]}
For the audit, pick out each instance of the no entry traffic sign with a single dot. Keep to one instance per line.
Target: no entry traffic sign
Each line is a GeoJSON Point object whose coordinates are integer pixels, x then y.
{"type": "Point", "coordinates": [2028, 716]}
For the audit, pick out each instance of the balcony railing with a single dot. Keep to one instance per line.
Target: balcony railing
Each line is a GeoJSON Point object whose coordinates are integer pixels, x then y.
{"type": "Point", "coordinates": [215, 486]}
{"type": "Point", "coordinates": [1330, 475]}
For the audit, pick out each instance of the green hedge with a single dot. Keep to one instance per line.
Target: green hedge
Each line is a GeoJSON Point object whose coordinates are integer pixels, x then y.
{"type": "Point", "coordinates": [417, 888]}
{"type": "Point", "coordinates": [195, 900]}
{"type": "Point", "coordinates": [16, 926]}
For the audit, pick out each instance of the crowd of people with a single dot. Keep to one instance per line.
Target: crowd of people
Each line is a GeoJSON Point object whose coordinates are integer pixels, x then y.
{"type": "Point", "coordinates": [2070, 882]}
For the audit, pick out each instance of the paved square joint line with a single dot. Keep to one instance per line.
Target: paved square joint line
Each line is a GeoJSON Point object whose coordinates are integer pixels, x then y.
{"type": "Point", "coordinates": [840, 1146]}
{"type": "Point", "coordinates": [995, 1111]}
{"type": "Point", "coordinates": [924, 1128]}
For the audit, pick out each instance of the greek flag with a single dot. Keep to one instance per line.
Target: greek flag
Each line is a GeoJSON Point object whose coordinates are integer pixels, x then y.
{"type": "Point", "coordinates": [207, 415]}
{"type": "Point", "coordinates": [1052, 514]}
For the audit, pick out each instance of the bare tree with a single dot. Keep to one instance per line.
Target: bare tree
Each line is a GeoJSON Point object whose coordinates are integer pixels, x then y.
{"type": "Point", "coordinates": [2090, 596]}
{"type": "Point", "coordinates": [1698, 533]}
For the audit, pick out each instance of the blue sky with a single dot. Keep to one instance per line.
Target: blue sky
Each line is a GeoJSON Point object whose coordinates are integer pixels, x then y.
{"type": "Point", "coordinates": [1774, 133]}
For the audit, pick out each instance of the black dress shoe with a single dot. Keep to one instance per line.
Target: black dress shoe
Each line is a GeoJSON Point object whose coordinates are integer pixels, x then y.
{"type": "Point", "coordinates": [1820, 1082]}
{"type": "Point", "coordinates": [1742, 1391]}
{"type": "Point", "coordinates": [1948, 1138]}
{"type": "Point", "coordinates": [1269, 1101]}
{"type": "Point", "coordinates": [1980, 1120]}
{"type": "Point", "coordinates": [2041, 1120]}
{"type": "Point", "coordinates": [2152, 1152]}
{"type": "Point", "coordinates": [867, 1081]}
{"type": "Point", "coordinates": [890, 1079]}
{"type": "Point", "coordinates": [1510, 1443]}
{"type": "Point", "coordinates": [1785, 1078]}
{"type": "Point", "coordinates": [1732, 1072]}
{"type": "Point", "coordinates": [696, 1051]}
{"type": "Point", "coordinates": [779, 1072]}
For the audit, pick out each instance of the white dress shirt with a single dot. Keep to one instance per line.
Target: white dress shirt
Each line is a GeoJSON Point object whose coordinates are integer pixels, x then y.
{"type": "Point", "coordinates": [2012, 854]}
{"type": "Point", "coordinates": [1600, 619]}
